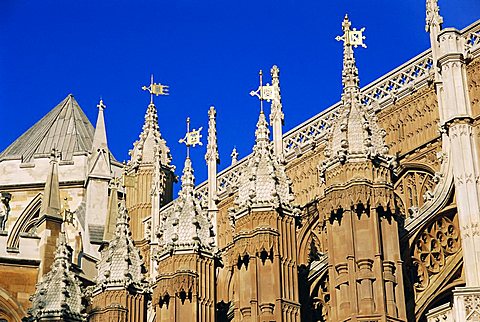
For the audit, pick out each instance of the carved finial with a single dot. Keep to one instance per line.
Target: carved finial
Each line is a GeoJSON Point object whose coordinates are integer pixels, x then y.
{"type": "Point", "coordinates": [262, 133]}
{"type": "Point", "coordinates": [351, 38]}
{"type": "Point", "coordinates": [188, 179]}
{"type": "Point", "coordinates": [276, 112]}
{"type": "Point", "coordinates": [55, 155]}
{"type": "Point", "coordinates": [275, 72]}
{"type": "Point", "coordinates": [212, 148]}
{"type": "Point", "coordinates": [234, 156]}
{"type": "Point", "coordinates": [433, 18]}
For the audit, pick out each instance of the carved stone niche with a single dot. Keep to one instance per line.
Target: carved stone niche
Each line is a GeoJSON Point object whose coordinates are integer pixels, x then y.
{"type": "Point", "coordinates": [414, 188]}
{"type": "Point", "coordinates": [433, 249]}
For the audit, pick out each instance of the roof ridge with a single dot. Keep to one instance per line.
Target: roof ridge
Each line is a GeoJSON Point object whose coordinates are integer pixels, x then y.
{"type": "Point", "coordinates": [65, 127]}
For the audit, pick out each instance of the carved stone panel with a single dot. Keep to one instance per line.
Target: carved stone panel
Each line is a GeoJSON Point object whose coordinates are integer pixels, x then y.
{"type": "Point", "coordinates": [414, 188]}
{"type": "Point", "coordinates": [473, 76]}
{"type": "Point", "coordinates": [432, 250]}
{"type": "Point", "coordinates": [410, 122]}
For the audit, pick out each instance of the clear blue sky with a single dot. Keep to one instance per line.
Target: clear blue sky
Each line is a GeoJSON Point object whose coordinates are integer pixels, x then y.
{"type": "Point", "coordinates": [209, 52]}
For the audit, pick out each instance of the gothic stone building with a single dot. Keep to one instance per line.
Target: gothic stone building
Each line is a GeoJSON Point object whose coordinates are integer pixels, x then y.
{"type": "Point", "coordinates": [369, 211]}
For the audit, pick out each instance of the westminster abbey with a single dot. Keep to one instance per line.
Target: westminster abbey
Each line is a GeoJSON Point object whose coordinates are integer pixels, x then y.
{"type": "Point", "coordinates": [369, 211]}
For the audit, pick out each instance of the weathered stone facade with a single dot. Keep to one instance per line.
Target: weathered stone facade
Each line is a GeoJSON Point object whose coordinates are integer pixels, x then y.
{"type": "Point", "coordinates": [369, 211]}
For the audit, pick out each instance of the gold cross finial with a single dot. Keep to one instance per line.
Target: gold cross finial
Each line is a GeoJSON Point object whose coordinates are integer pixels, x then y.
{"type": "Point", "coordinates": [155, 89]}
{"type": "Point", "coordinates": [351, 37]}
{"type": "Point", "coordinates": [191, 138]}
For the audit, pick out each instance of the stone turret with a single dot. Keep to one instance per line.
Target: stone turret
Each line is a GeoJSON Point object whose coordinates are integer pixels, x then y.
{"type": "Point", "coordinates": [50, 220]}
{"type": "Point", "coordinates": [365, 266]}
{"type": "Point", "coordinates": [150, 176]}
{"type": "Point", "coordinates": [355, 135]}
{"type": "Point", "coordinates": [120, 290]}
{"type": "Point", "coordinates": [212, 158]}
{"type": "Point", "coordinates": [58, 296]}
{"type": "Point", "coordinates": [264, 182]}
{"type": "Point", "coordinates": [276, 113]}
{"type": "Point", "coordinates": [184, 289]}
{"type": "Point", "coordinates": [263, 224]}
{"type": "Point", "coordinates": [97, 183]}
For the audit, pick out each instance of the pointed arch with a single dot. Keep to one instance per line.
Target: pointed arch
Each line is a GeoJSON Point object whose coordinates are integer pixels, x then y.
{"type": "Point", "coordinates": [25, 222]}
{"type": "Point", "coordinates": [414, 184]}
{"type": "Point", "coordinates": [10, 309]}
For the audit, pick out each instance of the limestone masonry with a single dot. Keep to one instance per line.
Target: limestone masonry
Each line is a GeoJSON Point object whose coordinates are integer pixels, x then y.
{"type": "Point", "coordinates": [369, 211]}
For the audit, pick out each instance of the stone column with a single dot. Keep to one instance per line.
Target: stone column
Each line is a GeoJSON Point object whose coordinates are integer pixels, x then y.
{"type": "Point", "coordinates": [457, 117]}
{"type": "Point", "coordinates": [458, 120]}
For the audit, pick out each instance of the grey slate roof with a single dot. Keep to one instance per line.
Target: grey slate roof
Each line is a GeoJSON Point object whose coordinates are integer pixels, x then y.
{"type": "Point", "coordinates": [65, 128]}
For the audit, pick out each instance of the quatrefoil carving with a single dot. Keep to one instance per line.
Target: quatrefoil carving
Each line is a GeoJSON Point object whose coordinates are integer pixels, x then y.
{"type": "Point", "coordinates": [435, 244]}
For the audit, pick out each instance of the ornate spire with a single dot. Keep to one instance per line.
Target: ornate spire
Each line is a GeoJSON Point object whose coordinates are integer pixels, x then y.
{"type": "Point", "coordinates": [51, 205]}
{"type": "Point", "coordinates": [185, 226]}
{"type": "Point", "coordinates": [120, 264]}
{"type": "Point", "coordinates": [150, 138]}
{"type": "Point", "coordinates": [433, 25]}
{"type": "Point", "coordinates": [433, 18]}
{"type": "Point", "coordinates": [157, 179]}
{"type": "Point", "coordinates": [99, 162]}
{"type": "Point", "coordinates": [211, 156]}
{"type": "Point", "coordinates": [100, 136]}
{"type": "Point", "coordinates": [271, 93]}
{"type": "Point", "coordinates": [58, 295]}
{"type": "Point", "coordinates": [212, 148]}
{"type": "Point", "coordinates": [276, 112]}
{"type": "Point", "coordinates": [355, 134]}
{"type": "Point", "coordinates": [264, 182]}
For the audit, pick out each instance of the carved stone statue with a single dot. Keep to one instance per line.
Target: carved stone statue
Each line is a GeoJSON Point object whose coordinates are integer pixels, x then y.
{"type": "Point", "coordinates": [4, 209]}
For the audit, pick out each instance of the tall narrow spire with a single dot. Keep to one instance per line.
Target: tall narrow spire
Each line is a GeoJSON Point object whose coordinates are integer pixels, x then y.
{"type": "Point", "coordinates": [433, 19]}
{"type": "Point", "coordinates": [188, 179]}
{"type": "Point", "coordinates": [433, 25]}
{"type": "Point", "coordinates": [99, 163]}
{"type": "Point", "coordinates": [100, 136]}
{"type": "Point", "coordinates": [276, 113]}
{"type": "Point", "coordinates": [211, 156]}
{"type": "Point", "coordinates": [51, 204]}
{"type": "Point", "coordinates": [351, 38]}
{"type": "Point", "coordinates": [58, 295]}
